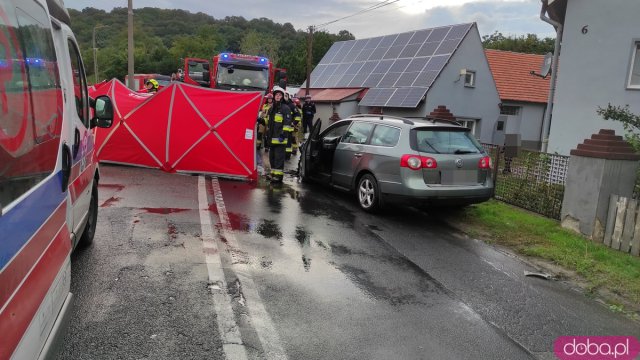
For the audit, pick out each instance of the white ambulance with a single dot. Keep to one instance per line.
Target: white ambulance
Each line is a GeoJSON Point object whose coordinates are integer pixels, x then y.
{"type": "Point", "coordinates": [48, 172]}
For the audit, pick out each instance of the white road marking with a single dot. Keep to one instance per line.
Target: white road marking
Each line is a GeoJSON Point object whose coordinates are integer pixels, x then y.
{"type": "Point", "coordinates": [260, 318]}
{"type": "Point", "coordinates": [229, 331]}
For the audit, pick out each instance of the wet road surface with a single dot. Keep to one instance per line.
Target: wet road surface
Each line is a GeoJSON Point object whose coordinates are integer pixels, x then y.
{"type": "Point", "coordinates": [188, 267]}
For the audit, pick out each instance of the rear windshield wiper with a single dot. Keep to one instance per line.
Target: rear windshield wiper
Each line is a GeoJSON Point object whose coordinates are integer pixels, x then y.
{"type": "Point", "coordinates": [461, 151]}
{"type": "Point", "coordinates": [426, 142]}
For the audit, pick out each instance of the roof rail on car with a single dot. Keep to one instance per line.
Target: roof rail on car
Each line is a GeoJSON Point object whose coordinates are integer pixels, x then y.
{"type": "Point", "coordinates": [382, 117]}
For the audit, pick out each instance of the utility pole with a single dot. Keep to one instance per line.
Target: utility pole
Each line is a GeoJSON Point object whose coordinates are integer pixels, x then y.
{"type": "Point", "coordinates": [309, 58]}
{"type": "Point", "coordinates": [130, 50]}
{"type": "Point", "coordinates": [95, 57]}
{"type": "Point", "coordinates": [95, 51]}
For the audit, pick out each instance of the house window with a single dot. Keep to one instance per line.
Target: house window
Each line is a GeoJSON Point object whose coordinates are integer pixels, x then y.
{"type": "Point", "coordinates": [500, 126]}
{"type": "Point", "coordinates": [469, 124]}
{"type": "Point", "coordinates": [634, 73]}
{"type": "Point", "coordinates": [509, 110]}
{"type": "Point", "coordinates": [470, 78]}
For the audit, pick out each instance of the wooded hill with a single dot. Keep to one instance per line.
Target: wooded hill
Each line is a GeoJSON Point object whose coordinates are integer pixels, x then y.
{"type": "Point", "coordinates": [163, 37]}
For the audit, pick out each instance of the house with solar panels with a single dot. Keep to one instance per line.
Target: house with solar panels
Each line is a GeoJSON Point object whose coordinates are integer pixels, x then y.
{"type": "Point", "coordinates": [409, 74]}
{"type": "Point", "coordinates": [523, 96]}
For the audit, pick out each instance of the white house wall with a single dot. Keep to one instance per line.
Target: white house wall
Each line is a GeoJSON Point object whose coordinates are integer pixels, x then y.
{"type": "Point", "coordinates": [529, 124]}
{"type": "Point", "coordinates": [594, 69]}
{"type": "Point", "coordinates": [480, 102]}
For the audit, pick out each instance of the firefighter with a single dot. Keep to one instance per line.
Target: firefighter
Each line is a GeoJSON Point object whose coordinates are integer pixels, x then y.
{"type": "Point", "coordinates": [308, 111]}
{"type": "Point", "coordinates": [288, 101]}
{"type": "Point", "coordinates": [152, 85]}
{"type": "Point", "coordinates": [263, 117]}
{"type": "Point", "coordinates": [297, 125]}
{"type": "Point", "coordinates": [279, 128]}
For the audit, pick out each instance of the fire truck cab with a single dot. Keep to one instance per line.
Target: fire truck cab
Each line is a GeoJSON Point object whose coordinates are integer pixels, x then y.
{"type": "Point", "coordinates": [48, 172]}
{"type": "Point", "coordinates": [237, 72]}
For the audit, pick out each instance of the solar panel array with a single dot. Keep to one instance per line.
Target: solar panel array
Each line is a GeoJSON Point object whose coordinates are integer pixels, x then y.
{"type": "Point", "coordinates": [398, 69]}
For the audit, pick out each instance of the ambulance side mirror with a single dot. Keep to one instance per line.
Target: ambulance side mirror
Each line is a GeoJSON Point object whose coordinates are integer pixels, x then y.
{"type": "Point", "coordinates": [103, 110]}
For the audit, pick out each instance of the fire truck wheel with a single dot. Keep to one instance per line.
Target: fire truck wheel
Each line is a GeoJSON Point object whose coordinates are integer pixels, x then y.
{"type": "Point", "coordinates": [92, 218]}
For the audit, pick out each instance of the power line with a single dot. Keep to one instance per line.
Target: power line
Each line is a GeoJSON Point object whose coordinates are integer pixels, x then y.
{"type": "Point", "coordinates": [370, 8]}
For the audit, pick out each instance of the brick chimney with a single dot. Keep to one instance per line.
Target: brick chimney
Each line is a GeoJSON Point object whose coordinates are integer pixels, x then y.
{"type": "Point", "coordinates": [441, 112]}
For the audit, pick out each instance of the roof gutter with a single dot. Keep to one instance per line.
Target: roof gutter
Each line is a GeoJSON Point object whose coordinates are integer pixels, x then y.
{"type": "Point", "coordinates": [546, 123]}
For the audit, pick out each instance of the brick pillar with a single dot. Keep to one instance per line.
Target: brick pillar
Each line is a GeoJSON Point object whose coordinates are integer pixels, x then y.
{"type": "Point", "coordinates": [601, 166]}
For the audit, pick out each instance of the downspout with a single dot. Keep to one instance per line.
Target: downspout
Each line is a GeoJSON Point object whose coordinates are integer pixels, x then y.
{"type": "Point", "coordinates": [546, 122]}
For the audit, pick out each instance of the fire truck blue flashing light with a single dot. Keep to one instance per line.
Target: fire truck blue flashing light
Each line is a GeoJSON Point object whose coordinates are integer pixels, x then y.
{"type": "Point", "coordinates": [225, 56]}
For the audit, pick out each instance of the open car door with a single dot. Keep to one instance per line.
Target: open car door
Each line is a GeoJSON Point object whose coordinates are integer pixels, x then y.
{"type": "Point", "coordinates": [311, 152]}
{"type": "Point", "coordinates": [197, 72]}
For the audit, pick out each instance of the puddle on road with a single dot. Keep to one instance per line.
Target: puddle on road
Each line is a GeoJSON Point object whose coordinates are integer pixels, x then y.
{"type": "Point", "coordinates": [269, 229]}
{"type": "Point", "coordinates": [363, 280]}
{"type": "Point", "coordinates": [303, 236]}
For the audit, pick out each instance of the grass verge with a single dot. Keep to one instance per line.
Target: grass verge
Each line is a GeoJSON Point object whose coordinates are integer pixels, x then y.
{"type": "Point", "coordinates": [600, 268]}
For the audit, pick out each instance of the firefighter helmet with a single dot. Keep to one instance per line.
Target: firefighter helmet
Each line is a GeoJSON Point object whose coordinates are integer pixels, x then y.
{"type": "Point", "coordinates": [269, 96]}
{"type": "Point", "coordinates": [278, 89]}
{"type": "Point", "coordinates": [153, 83]}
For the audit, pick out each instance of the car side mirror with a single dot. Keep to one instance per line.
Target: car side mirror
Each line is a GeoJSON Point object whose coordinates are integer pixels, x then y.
{"type": "Point", "coordinates": [103, 110]}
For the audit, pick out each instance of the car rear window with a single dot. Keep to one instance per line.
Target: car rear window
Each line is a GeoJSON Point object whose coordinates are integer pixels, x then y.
{"type": "Point", "coordinates": [445, 141]}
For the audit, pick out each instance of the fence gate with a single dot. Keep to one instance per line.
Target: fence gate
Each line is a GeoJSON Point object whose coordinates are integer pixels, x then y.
{"type": "Point", "coordinates": [622, 231]}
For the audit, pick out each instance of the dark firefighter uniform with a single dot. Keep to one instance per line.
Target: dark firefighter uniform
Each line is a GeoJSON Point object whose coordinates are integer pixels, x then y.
{"type": "Point", "coordinates": [277, 136]}
{"type": "Point", "coordinates": [297, 124]}
{"type": "Point", "coordinates": [262, 121]}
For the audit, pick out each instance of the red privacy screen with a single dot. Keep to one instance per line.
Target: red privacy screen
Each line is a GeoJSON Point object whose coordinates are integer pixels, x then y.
{"type": "Point", "coordinates": [182, 128]}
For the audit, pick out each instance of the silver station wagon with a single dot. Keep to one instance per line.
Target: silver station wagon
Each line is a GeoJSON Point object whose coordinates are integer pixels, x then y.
{"type": "Point", "coordinates": [384, 158]}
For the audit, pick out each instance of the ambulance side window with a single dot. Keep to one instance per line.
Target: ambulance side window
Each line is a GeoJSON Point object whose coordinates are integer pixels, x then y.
{"type": "Point", "coordinates": [79, 84]}
{"type": "Point", "coordinates": [30, 99]}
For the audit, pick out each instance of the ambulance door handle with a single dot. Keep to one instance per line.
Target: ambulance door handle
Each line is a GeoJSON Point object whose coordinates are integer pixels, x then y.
{"type": "Point", "coordinates": [66, 166]}
{"type": "Point", "coordinates": [76, 143]}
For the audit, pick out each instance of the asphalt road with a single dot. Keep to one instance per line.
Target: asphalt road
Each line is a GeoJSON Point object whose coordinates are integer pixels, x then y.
{"type": "Point", "coordinates": [192, 267]}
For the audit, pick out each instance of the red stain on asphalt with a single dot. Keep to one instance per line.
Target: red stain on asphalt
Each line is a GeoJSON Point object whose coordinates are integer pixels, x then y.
{"type": "Point", "coordinates": [239, 222]}
{"type": "Point", "coordinates": [111, 186]}
{"type": "Point", "coordinates": [213, 208]}
{"type": "Point", "coordinates": [110, 201]}
{"type": "Point", "coordinates": [172, 231]}
{"type": "Point", "coordinates": [163, 211]}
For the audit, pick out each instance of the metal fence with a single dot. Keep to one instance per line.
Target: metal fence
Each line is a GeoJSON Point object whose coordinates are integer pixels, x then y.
{"type": "Point", "coordinates": [533, 180]}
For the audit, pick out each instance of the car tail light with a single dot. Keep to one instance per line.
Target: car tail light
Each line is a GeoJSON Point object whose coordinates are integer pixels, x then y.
{"type": "Point", "coordinates": [415, 162]}
{"type": "Point", "coordinates": [485, 163]}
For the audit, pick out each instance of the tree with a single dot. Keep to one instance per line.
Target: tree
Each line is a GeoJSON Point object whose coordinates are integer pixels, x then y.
{"type": "Point", "coordinates": [164, 36]}
{"type": "Point", "coordinates": [529, 43]}
{"type": "Point", "coordinates": [254, 43]}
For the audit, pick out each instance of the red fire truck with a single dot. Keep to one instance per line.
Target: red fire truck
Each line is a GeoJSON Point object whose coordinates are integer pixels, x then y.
{"type": "Point", "coordinates": [238, 72]}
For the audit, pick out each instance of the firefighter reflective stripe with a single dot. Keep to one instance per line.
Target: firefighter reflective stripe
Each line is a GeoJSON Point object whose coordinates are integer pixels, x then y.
{"type": "Point", "coordinates": [277, 141]}
{"type": "Point", "coordinates": [289, 149]}
{"type": "Point", "coordinates": [288, 128]}
{"type": "Point", "coordinates": [277, 172]}
{"type": "Point", "coordinates": [278, 118]}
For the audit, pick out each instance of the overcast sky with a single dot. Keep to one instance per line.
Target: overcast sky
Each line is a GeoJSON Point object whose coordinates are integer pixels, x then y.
{"type": "Point", "coordinates": [511, 17]}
